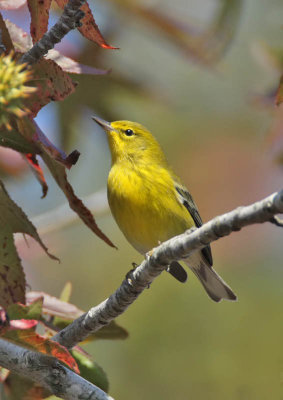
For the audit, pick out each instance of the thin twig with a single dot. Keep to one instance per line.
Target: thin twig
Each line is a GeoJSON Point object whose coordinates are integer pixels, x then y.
{"type": "Point", "coordinates": [49, 372]}
{"type": "Point", "coordinates": [70, 19]}
{"type": "Point", "coordinates": [174, 249]}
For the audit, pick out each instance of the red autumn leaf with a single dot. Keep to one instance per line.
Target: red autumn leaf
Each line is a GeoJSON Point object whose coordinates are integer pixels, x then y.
{"type": "Point", "coordinates": [36, 169]}
{"type": "Point", "coordinates": [31, 340]}
{"type": "Point", "coordinates": [89, 29]}
{"type": "Point", "coordinates": [39, 14]}
{"type": "Point", "coordinates": [11, 4]}
{"type": "Point", "coordinates": [53, 84]}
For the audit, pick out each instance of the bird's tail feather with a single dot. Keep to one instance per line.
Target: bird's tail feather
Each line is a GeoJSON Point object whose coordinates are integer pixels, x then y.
{"type": "Point", "coordinates": [214, 285]}
{"type": "Point", "coordinates": [176, 270]}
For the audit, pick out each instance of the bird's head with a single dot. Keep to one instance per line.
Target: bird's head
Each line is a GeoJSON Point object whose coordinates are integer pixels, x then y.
{"type": "Point", "coordinates": [131, 141]}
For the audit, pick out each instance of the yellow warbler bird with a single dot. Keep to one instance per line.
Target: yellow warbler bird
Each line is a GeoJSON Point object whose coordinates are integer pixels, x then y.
{"type": "Point", "coordinates": [150, 204]}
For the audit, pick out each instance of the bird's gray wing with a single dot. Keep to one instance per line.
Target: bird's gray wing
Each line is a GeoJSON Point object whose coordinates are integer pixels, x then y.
{"type": "Point", "coordinates": [186, 199]}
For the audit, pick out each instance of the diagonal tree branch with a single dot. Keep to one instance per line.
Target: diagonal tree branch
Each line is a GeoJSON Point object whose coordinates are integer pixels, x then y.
{"type": "Point", "coordinates": [70, 19]}
{"type": "Point", "coordinates": [174, 249]}
{"type": "Point", "coordinates": [49, 372]}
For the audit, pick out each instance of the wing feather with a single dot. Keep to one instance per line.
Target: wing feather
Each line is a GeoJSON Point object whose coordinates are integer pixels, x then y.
{"type": "Point", "coordinates": [186, 199]}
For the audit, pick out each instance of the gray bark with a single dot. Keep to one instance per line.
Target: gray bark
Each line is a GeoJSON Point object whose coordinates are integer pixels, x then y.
{"type": "Point", "coordinates": [174, 249]}
{"type": "Point", "coordinates": [49, 372]}
{"type": "Point", "coordinates": [70, 19]}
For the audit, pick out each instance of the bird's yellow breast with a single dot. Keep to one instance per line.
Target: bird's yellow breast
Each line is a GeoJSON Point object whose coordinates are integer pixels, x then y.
{"type": "Point", "coordinates": [145, 206]}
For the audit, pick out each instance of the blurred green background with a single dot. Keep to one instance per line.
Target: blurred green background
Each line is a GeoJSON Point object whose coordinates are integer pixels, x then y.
{"type": "Point", "coordinates": [221, 134]}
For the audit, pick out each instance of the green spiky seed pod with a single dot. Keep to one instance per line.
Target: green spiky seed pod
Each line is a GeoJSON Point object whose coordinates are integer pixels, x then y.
{"type": "Point", "coordinates": [13, 91]}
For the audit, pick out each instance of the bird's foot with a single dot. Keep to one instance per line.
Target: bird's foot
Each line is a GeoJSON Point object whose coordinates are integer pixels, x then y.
{"type": "Point", "coordinates": [129, 273]}
{"type": "Point", "coordinates": [149, 254]}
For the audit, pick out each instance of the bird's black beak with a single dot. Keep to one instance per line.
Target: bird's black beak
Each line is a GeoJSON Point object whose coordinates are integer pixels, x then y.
{"type": "Point", "coordinates": [104, 124]}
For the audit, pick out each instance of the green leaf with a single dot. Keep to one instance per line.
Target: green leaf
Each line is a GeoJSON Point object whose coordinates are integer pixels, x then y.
{"type": "Point", "coordinates": [66, 292]}
{"type": "Point", "coordinates": [91, 371]}
{"type": "Point", "coordinates": [14, 140]}
{"type": "Point", "coordinates": [20, 388]}
{"type": "Point", "coordinates": [12, 278]}
{"type": "Point", "coordinates": [111, 331]}
{"type": "Point", "coordinates": [20, 311]}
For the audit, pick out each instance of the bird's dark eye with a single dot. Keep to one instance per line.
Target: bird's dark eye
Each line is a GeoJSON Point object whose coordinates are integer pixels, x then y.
{"type": "Point", "coordinates": [129, 132]}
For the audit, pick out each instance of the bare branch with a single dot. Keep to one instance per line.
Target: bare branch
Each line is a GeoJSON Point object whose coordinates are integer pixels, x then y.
{"type": "Point", "coordinates": [49, 372]}
{"type": "Point", "coordinates": [172, 250]}
{"type": "Point", "coordinates": [70, 19]}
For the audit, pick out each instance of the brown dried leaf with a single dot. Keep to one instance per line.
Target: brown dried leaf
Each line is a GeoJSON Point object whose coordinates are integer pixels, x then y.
{"type": "Point", "coordinates": [51, 155]}
{"type": "Point", "coordinates": [6, 40]}
{"type": "Point", "coordinates": [52, 82]}
{"type": "Point", "coordinates": [89, 29]}
{"type": "Point", "coordinates": [39, 14]}
{"type": "Point", "coordinates": [12, 278]}
{"type": "Point", "coordinates": [59, 174]}
{"type": "Point", "coordinates": [57, 154]}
